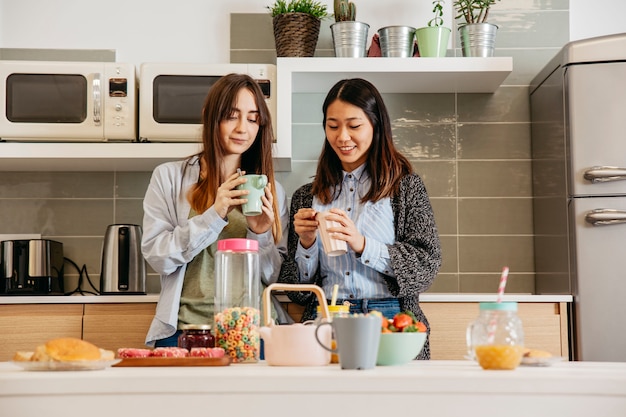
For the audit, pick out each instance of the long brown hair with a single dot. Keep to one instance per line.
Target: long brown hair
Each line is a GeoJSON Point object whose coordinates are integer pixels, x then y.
{"type": "Point", "coordinates": [218, 106]}
{"type": "Point", "coordinates": [385, 165]}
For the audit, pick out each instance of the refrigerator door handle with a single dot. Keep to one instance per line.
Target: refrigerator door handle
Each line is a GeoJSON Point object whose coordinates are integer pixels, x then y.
{"type": "Point", "coordinates": [605, 217]}
{"type": "Point", "coordinates": [605, 174]}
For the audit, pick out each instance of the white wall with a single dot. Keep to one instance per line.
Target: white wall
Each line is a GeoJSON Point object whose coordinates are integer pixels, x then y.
{"type": "Point", "coordinates": [160, 30]}
{"type": "Point", "coordinates": [198, 30]}
{"type": "Point", "coordinates": [595, 18]}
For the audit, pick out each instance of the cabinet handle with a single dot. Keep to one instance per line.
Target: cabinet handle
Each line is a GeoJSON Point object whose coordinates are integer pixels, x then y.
{"type": "Point", "coordinates": [605, 217]}
{"type": "Point", "coordinates": [605, 174]}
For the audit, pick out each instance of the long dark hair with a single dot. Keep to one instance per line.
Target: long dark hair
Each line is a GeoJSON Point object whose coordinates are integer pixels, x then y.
{"type": "Point", "coordinates": [385, 165]}
{"type": "Point", "coordinates": [218, 106]}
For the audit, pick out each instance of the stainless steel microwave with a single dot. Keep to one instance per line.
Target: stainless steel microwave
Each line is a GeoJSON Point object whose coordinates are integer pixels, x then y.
{"type": "Point", "coordinates": [68, 101]}
{"type": "Point", "coordinates": [171, 96]}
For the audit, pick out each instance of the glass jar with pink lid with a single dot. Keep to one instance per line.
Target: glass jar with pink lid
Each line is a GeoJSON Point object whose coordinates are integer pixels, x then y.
{"type": "Point", "coordinates": [237, 299]}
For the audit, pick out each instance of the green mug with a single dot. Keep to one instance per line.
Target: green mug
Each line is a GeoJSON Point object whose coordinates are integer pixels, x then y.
{"type": "Point", "coordinates": [255, 185]}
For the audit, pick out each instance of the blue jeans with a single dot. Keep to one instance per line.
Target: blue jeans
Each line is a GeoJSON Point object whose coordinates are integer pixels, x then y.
{"type": "Point", "coordinates": [388, 307]}
{"type": "Point", "coordinates": [171, 341]}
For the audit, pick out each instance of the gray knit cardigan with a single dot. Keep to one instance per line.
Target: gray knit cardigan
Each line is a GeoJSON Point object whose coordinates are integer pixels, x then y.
{"type": "Point", "coordinates": [415, 255]}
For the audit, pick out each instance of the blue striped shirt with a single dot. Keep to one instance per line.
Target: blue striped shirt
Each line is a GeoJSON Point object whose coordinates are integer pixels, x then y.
{"type": "Point", "coordinates": [357, 277]}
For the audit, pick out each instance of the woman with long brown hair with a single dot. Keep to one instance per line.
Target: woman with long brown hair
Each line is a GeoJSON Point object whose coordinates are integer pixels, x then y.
{"type": "Point", "coordinates": [193, 203]}
{"type": "Point", "coordinates": [382, 208]}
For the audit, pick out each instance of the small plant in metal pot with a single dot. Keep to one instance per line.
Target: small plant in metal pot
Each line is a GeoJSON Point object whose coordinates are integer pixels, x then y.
{"type": "Point", "coordinates": [432, 40]}
{"type": "Point", "coordinates": [349, 36]}
{"type": "Point", "coordinates": [345, 11]}
{"type": "Point", "coordinates": [296, 26]}
{"type": "Point", "coordinates": [473, 11]}
{"type": "Point", "coordinates": [478, 37]}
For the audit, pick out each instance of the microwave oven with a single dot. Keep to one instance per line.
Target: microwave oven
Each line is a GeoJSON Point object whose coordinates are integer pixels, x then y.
{"type": "Point", "coordinates": [67, 101]}
{"type": "Point", "coordinates": [171, 96]}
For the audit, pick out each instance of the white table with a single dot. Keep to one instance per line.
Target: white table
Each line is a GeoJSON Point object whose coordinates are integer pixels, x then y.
{"type": "Point", "coordinates": [430, 388]}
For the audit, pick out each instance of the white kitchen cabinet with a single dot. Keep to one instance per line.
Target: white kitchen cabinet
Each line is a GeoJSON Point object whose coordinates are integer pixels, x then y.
{"type": "Point", "coordinates": [295, 75]}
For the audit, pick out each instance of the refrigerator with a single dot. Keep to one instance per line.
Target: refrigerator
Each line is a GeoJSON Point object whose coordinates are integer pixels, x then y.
{"type": "Point", "coordinates": [578, 135]}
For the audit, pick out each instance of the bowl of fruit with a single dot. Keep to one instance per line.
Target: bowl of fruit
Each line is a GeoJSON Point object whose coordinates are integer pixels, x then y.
{"type": "Point", "coordinates": [401, 340]}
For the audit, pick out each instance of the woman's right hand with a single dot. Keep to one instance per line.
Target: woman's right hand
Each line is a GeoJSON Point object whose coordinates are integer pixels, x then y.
{"type": "Point", "coordinates": [305, 225]}
{"type": "Point", "coordinates": [227, 196]}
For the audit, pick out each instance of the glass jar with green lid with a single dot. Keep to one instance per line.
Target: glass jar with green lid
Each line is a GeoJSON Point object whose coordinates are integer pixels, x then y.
{"type": "Point", "coordinates": [496, 338]}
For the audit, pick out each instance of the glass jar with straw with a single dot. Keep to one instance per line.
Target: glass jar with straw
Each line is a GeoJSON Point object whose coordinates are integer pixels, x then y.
{"type": "Point", "coordinates": [496, 338]}
{"type": "Point", "coordinates": [333, 310]}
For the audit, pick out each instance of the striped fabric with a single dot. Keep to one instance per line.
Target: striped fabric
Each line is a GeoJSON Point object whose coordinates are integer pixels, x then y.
{"type": "Point", "coordinates": [357, 277]}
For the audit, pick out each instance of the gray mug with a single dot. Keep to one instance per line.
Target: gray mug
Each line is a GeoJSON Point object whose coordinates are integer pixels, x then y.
{"type": "Point", "coordinates": [357, 339]}
{"type": "Point", "coordinates": [256, 187]}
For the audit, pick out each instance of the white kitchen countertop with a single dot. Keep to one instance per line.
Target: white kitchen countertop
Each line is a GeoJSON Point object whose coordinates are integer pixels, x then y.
{"type": "Point", "coordinates": [428, 388]}
{"type": "Point", "coordinates": [153, 298]}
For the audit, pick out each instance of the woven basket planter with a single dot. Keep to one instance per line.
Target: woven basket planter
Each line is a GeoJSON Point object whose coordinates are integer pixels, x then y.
{"type": "Point", "coordinates": [296, 34]}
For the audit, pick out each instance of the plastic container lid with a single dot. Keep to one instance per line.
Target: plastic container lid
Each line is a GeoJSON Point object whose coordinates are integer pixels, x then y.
{"type": "Point", "coordinates": [238, 245]}
{"type": "Point", "coordinates": [504, 306]}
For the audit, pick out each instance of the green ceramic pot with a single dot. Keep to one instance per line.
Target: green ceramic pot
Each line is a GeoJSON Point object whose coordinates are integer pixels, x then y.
{"type": "Point", "coordinates": [432, 41]}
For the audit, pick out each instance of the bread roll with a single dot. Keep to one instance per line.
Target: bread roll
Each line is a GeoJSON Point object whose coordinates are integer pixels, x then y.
{"type": "Point", "coordinates": [22, 356]}
{"type": "Point", "coordinates": [536, 353]}
{"type": "Point", "coordinates": [66, 349]}
{"type": "Point", "coordinates": [106, 355]}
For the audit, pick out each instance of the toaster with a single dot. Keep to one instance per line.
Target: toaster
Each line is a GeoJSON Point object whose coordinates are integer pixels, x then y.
{"type": "Point", "coordinates": [31, 267]}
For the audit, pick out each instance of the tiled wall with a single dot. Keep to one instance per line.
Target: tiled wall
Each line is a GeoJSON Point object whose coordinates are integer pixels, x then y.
{"type": "Point", "coordinates": [473, 151]}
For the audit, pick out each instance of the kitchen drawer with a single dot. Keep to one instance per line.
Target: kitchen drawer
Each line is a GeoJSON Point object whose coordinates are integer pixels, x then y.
{"type": "Point", "coordinates": [112, 326]}
{"type": "Point", "coordinates": [545, 327]}
{"type": "Point", "coordinates": [25, 326]}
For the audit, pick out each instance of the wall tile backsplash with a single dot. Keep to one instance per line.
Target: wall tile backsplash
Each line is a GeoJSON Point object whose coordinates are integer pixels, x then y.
{"type": "Point", "coordinates": [472, 150]}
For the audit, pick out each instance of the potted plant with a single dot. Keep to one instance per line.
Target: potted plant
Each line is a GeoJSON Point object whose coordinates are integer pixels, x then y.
{"type": "Point", "coordinates": [432, 40]}
{"type": "Point", "coordinates": [349, 36]}
{"type": "Point", "coordinates": [296, 26]}
{"type": "Point", "coordinates": [478, 37]}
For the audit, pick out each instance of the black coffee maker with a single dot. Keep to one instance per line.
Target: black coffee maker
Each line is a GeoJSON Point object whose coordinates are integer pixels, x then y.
{"type": "Point", "coordinates": [31, 267]}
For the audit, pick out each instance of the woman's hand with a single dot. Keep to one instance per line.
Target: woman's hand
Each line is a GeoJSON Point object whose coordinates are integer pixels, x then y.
{"type": "Point", "coordinates": [305, 225]}
{"type": "Point", "coordinates": [227, 196]}
{"type": "Point", "coordinates": [264, 221]}
{"type": "Point", "coordinates": [347, 231]}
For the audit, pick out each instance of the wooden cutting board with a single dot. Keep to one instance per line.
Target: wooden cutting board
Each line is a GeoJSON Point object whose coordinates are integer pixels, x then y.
{"type": "Point", "coordinates": [224, 361]}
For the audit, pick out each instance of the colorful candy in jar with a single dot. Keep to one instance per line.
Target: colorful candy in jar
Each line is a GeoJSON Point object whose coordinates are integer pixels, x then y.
{"type": "Point", "coordinates": [237, 332]}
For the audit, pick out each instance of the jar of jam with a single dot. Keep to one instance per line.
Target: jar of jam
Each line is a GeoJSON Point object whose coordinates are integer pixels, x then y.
{"type": "Point", "coordinates": [196, 335]}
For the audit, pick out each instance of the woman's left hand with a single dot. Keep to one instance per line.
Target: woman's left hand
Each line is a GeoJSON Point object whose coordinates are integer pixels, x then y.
{"type": "Point", "coordinates": [347, 231]}
{"type": "Point", "coordinates": [264, 221]}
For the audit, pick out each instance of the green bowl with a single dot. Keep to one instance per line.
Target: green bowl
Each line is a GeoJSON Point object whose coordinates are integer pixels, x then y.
{"type": "Point", "coordinates": [399, 348]}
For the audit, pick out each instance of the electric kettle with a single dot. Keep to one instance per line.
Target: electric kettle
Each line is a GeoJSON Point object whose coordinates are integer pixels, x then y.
{"type": "Point", "coordinates": [123, 266]}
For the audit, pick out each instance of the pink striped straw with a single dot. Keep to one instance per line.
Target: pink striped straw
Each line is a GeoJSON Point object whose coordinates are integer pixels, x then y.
{"type": "Point", "coordinates": [493, 323]}
{"type": "Point", "coordinates": [503, 278]}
